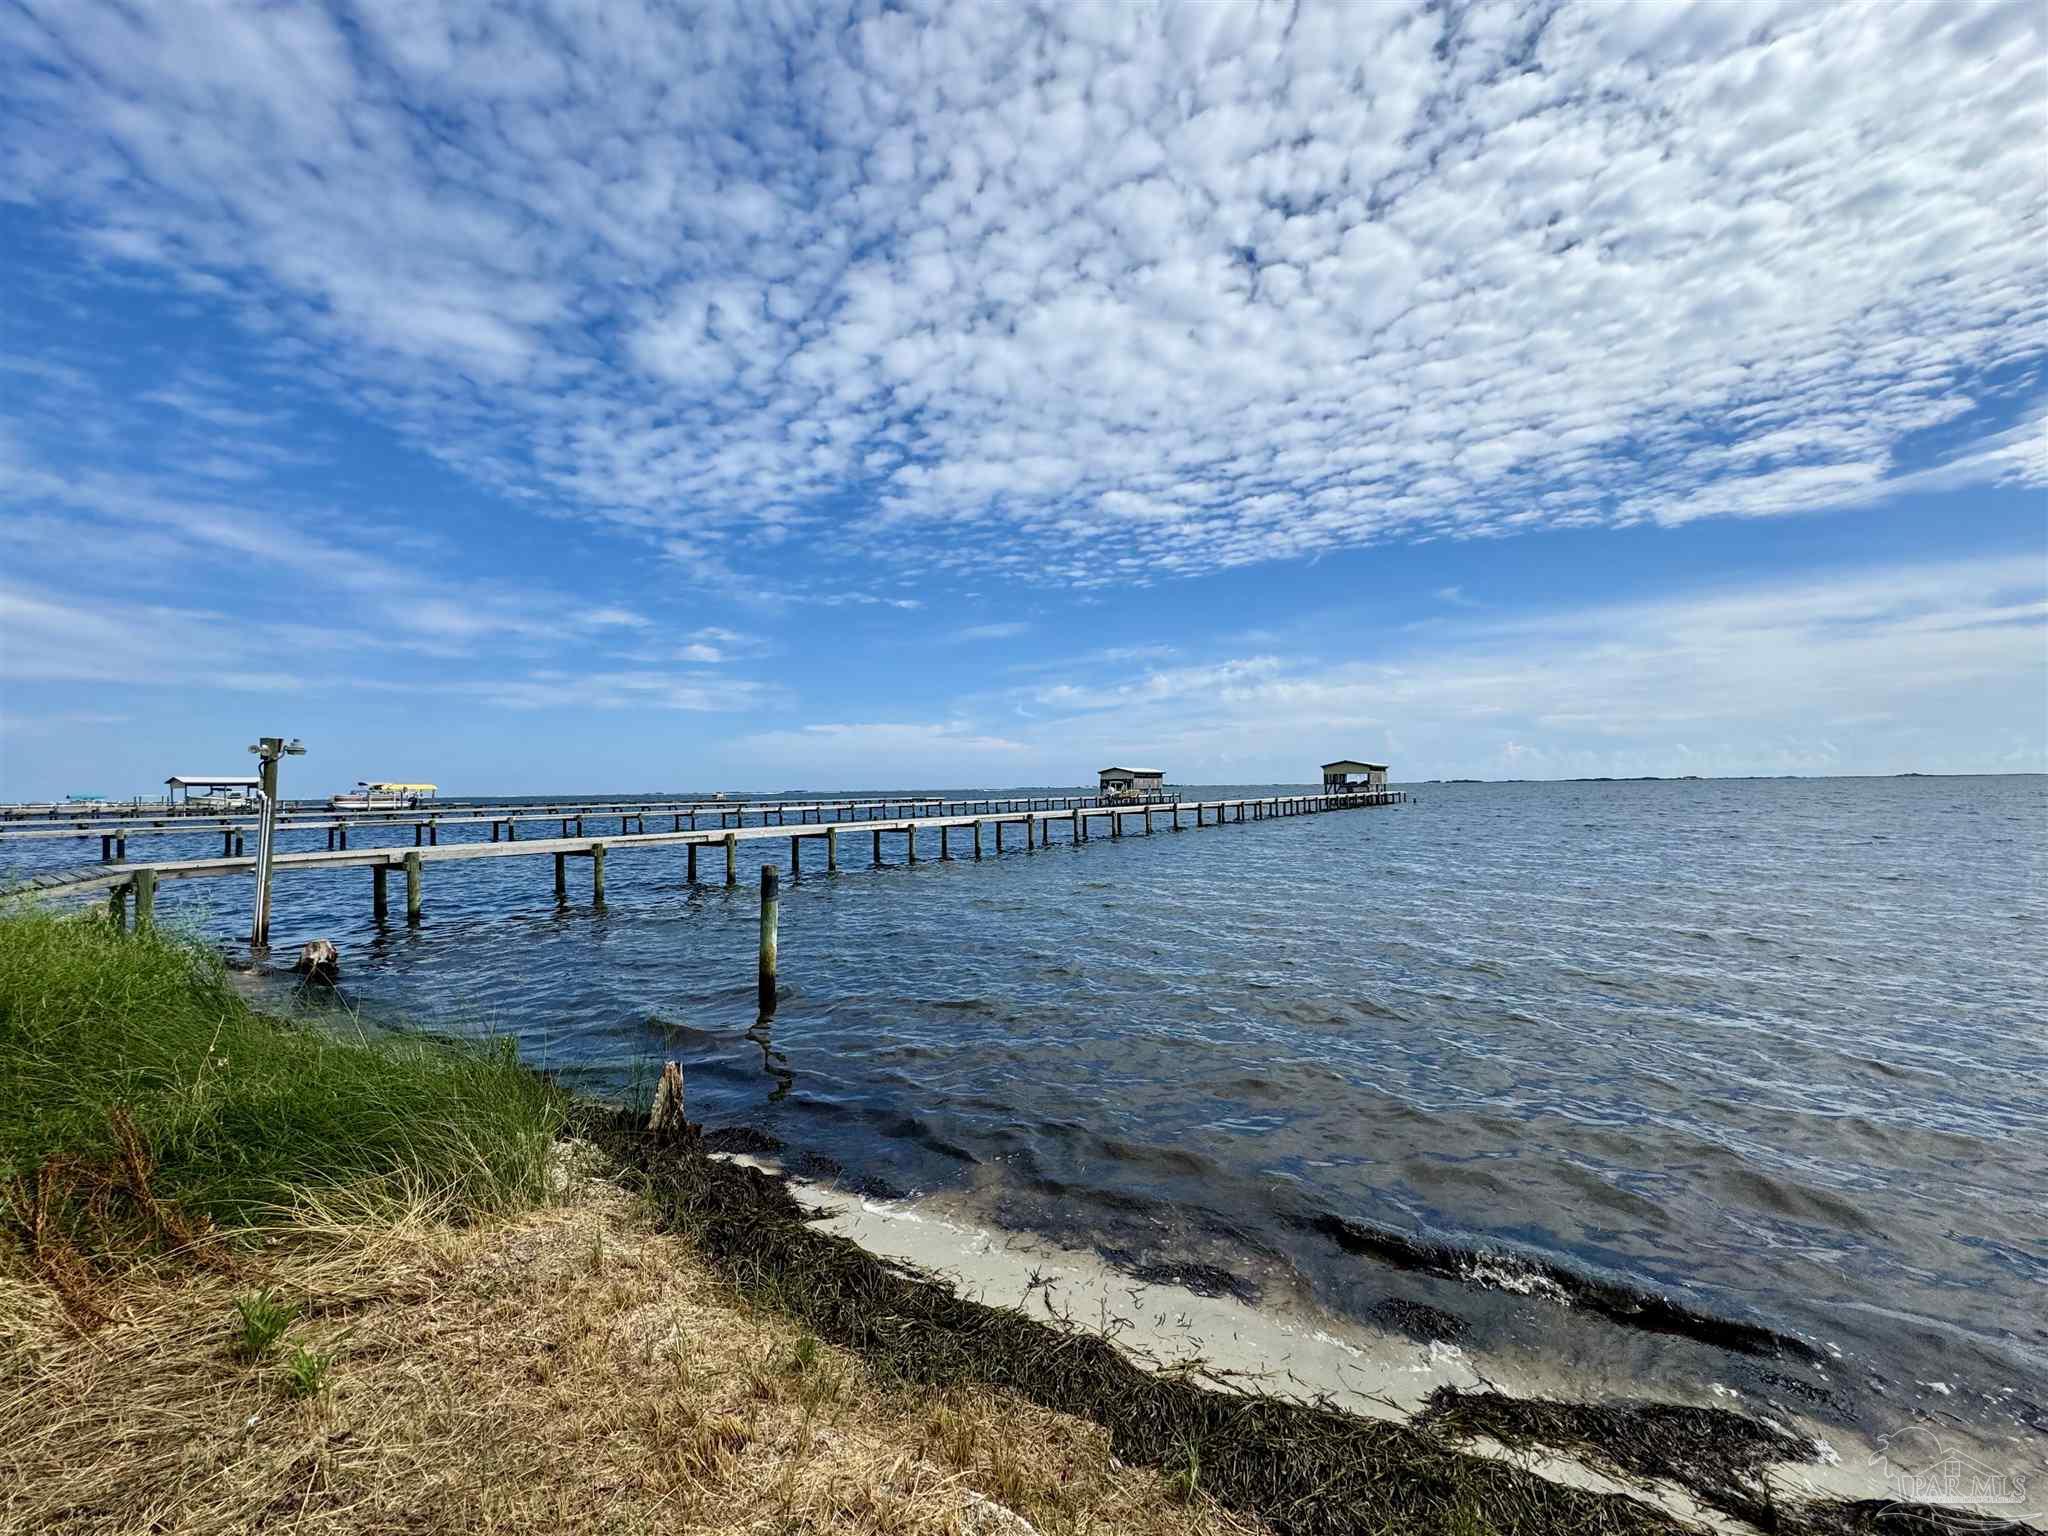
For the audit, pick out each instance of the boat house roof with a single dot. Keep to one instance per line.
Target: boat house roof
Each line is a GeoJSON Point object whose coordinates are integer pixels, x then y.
{"type": "Point", "coordinates": [213, 781]}
{"type": "Point", "coordinates": [1138, 773]}
{"type": "Point", "coordinates": [1352, 765]}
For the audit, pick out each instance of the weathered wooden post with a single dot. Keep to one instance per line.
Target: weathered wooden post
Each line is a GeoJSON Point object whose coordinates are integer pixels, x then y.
{"type": "Point", "coordinates": [145, 897]}
{"type": "Point", "coordinates": [380, 896]}
{"type": "Point", "coordinates": [597, 874]}
{"type": "Point", "coordinates": [561, 877]}
{"type": "Point", "coordinates": [878, 848]}
{"type": "Point", "coordinates": [910, 843]}
{"type": "Point", "coordinates": [117, 907]}
{"type": "Point", "coordinates": [796, 857]}
{"type": "Point", "coordinates": [999, 835]}
{"type": "Point", "coordinates": [771, 916]}
{"type": "Point", "coordinates": [1075, 834]}
{"type": "Point", "coordinates": [945, 853]}
{"type": "Point", "coordinates": [412, 887]}
{"type": "Point", "coordinates": [977, 837]}
{"type": "Point", "coordinates": [832, 849]}
{"type": "Point", "coordinates": [691, 874]}
{"type": "Point", "coordinates": [732, 858]}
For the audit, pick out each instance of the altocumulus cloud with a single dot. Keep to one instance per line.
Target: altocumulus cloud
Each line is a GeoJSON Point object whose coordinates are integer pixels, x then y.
{"type": "Point", "coordinates": [1241, 282]}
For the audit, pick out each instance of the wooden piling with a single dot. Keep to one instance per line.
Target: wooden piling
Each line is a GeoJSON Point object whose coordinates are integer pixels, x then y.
{"type": "Point", "coordinates": [910, 844]}
{"type": "Point", "coordinates": [561, 877]}
{"type": "Point", "coordinates": [999, 835]}
{"type": "Point", "coordinates": [691, 877]}
{"type": "Point", "coordinates": [796, 857]}
{"type": "Point", "coordinates": [145, 898]}
{"type": "Point", "coordinates": [117, 908]}
{"type": "Point", "coordinates": [412, 887]}
{"type": "Point", "coordinates": [878, 849]}
{"type": "Point", "coordinates": [945, 853]}
{"type": "Point", "coordinates": [732, 859]}
{"type": "Point", "coordinates": [380, 894]}
{"type": "Point", "coordinates": [597, 874]}
{"type": "Point", "coordinates": [771, 916]}
{"type": "Point", "coordinates": [977, 837]}
{"type": "Point", "coordinates": [832, 849]}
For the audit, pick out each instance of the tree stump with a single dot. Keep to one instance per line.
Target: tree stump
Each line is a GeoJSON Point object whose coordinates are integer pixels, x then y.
{"type": "Point", "coordinates": [319, 961]}
{"type": "Point", "coordinates": [665, 1121]}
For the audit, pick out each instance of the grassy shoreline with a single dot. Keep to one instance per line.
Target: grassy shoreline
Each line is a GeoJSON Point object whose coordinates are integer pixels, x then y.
{"type": "Point", "coordinates": [366, 1274]}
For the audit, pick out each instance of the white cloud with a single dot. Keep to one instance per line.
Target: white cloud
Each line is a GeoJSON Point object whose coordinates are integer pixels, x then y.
{"type": "Point", "coordinates": [1861, 671]}
{"type": "Point", "coordinates": [1228, 283]}
{"type": "Point", "coordinates": [1008, 629]}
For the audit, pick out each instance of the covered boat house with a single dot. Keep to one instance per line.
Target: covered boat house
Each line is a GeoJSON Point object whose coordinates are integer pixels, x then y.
{"type": "Point", "coordinates": [214, 791]}
{"type": "Point", "coordinates": [1122, 782]}
{"type": "Point", "coordinates": [1349, 776]}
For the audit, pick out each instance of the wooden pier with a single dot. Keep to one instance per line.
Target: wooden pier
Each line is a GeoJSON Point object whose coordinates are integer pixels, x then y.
{"type": "Point", "coordinates": [977, 834]}
{"type": "Point", "coordinates": [505, 820]}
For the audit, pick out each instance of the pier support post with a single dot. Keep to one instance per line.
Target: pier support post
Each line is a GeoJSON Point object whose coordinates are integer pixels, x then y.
{"type": "Point", "coordinates": [561, 877]}
{"type": "Point", "coordinates": [732, 859]}
{"type": "Point", "coordinates": [117, 908]}
{"type": "Point", "coordinates": [878, 850]}
{"type": "Point", "coordinates": [945, 853]}
{"type": "Point", "coordinates": [1076, 833]}
{"type": "Point", "coordinates": [910, 843]}
{"type": "Point", "coordinates": [412, 887]}
{"type": "Point", "coordinates": [796, 858]}
{"type": "Point", "coordinates": [832, 849]}
{"type": "Point", "coordinates": [771, 917]}
{"type": "Point", "coordinates": [977, 837]}
{"type": "Point", "coordinates": [999, 834]}
{"type": "Point", "coordinates": [1116, 823]}
{"type": "Point", "coordinates": [380, 892]}
{"type": "Point", "coordinates": [597, 874]}
{"type": "Point", "coordinates": [145, 898]}
{"type": "Point", "coordinates": [691, 877]}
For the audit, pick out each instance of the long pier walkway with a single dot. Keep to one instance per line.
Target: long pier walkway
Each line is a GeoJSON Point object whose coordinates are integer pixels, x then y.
{"type": "Point", "coordinates": [505, 820]}
{"type": "Point", "coordinates": [975, 834]}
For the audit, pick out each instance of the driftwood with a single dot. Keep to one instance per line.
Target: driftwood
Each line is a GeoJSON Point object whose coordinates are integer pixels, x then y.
{"type": "Point", "coordinates": [665, 1120]}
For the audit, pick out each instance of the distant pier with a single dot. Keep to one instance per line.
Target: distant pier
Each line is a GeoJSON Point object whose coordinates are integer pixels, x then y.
{"type": "Point", "coordinates": [946, 830]}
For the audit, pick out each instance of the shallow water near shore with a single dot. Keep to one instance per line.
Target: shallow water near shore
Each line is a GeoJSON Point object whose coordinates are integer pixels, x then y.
{"type": "Point", "coordinates": [1776, 1048]}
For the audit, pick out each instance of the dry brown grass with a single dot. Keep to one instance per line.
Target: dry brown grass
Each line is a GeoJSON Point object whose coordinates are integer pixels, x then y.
{"type": "Point", "coordinates": [571, 1370]}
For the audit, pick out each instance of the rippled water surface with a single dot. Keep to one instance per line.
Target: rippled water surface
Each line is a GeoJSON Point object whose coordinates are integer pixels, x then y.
{"type": "Point", "coordinates": [1776, 1046]}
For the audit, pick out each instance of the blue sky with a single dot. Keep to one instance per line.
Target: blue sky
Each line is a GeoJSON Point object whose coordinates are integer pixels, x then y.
{"type": "Point", "coordinates": [607, 398]}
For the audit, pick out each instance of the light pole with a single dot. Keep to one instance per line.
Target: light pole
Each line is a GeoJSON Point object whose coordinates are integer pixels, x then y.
{"type": "Point", "coordinates": [269, 749]}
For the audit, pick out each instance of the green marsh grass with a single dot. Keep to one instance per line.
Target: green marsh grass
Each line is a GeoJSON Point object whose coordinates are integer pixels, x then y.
{"type": "Point", "coordinates": [126, 1050]}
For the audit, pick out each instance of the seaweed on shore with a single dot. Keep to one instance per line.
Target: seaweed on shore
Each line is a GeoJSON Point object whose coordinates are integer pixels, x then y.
{"type": "Point", "coordinates": [1629, 1307]}
{"type": "Point", "coordinates": [1307, 1469]}
{"type": "Point", "coordinates": [1717, 1456]}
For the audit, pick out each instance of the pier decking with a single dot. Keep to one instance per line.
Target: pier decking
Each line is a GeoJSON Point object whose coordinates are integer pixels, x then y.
{"type": "Point", "coordinates": [981, 831]}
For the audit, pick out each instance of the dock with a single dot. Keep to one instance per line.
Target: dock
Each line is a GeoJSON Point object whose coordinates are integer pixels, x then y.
{"type": "Point", "coordinates": [946, 833]}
